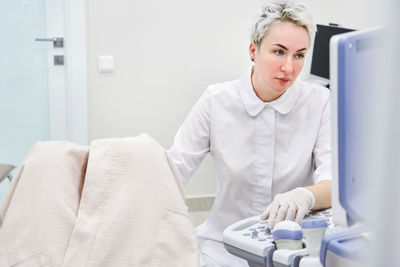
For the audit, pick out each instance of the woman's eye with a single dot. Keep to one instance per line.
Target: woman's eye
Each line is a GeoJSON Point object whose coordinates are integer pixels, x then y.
{"type": "Point", "coordinates": [299, 56]}
{"type": "Point", "coordinates": [278, 52]}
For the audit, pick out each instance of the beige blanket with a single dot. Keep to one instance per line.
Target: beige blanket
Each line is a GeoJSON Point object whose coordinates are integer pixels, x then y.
{"type": "Point", "coordinates": [118, 202]}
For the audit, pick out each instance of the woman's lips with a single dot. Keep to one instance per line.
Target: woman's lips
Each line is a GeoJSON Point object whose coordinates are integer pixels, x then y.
{"type": "Point", "coordinates": [283, 80]}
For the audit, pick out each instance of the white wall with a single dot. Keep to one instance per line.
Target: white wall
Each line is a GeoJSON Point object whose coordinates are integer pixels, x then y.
{"type": "Point", "coordinates": [166, 53]}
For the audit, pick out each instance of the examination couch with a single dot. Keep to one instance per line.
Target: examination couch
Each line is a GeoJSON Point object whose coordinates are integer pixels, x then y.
{"type": "Point", "coordinates": [117, 202]}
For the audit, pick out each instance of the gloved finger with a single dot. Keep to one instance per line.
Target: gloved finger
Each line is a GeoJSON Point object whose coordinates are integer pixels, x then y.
{"type": "Point", "coordinates": [291, 212]}
{"type": "Point", "coordinates": [272, 214]}
{"type": "Point", "coordinates": [265, 214]}
{"type": "Point", "coordinates": [300, 215]}
{"type": "Point", "coordinates": [280, 216]}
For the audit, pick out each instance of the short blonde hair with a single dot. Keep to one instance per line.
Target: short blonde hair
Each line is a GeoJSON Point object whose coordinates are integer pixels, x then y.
{"type": "Point", "coordinates": [277, 11]}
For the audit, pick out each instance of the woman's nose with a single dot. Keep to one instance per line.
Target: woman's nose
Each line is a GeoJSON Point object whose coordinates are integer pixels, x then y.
{"type": "Point", "coordinates": [287, 66]}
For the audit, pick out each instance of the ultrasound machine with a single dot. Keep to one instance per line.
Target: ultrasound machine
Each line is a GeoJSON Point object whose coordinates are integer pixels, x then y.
{"type": "Point", "coordinates": [347, 238]}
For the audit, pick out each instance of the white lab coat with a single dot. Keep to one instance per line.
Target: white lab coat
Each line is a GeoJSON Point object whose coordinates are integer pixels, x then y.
{"type": "Point", "coordinates": [260, 149]}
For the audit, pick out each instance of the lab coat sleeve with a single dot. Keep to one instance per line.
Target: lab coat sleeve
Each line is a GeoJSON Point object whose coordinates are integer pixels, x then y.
{"type": "Point", "coordinates": [192, 141]}
{"type": "Point", "coordinates": [323, 147]}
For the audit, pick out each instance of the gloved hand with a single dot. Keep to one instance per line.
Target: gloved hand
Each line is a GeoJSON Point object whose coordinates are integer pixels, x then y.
{"type": "Point", "coordinates": [292, 205]}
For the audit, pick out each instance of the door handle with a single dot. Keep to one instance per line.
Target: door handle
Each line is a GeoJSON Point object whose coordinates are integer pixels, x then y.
{"type": "Point", "coordinates": [57, 41]}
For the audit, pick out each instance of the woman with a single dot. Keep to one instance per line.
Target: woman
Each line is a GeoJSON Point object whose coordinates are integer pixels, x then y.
{"type": "Point", "coordinates": [269, 134]}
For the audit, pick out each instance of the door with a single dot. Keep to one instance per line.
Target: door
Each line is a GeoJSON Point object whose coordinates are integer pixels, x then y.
{"type": "Point", "coordinates": [35, 98]}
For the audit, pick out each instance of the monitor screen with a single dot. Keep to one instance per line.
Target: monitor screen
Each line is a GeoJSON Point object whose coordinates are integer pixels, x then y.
{"type": "Point", "coordinates": [320, 58]}
{"type": "Point", "coordinates": [354, 64]}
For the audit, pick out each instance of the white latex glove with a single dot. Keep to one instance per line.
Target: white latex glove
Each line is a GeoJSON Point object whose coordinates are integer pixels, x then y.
{"type": "Point", "coordinates": [292, 205]}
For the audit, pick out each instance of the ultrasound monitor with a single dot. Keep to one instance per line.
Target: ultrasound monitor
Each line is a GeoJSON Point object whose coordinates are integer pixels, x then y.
{"type": "Point", "coordinates": [320, 59]}
{"type": "Point", "coordinates": [354, 59]}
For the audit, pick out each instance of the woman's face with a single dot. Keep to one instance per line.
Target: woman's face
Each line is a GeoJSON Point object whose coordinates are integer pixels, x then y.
{"type": "Point", "coordinates": [279, 60]}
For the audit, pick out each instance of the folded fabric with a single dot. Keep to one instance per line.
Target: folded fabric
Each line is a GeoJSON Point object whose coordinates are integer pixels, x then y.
{"type": "Point", "coordinates": [39, 210]}
{"type": "Point", "coordinates": [119, 204]}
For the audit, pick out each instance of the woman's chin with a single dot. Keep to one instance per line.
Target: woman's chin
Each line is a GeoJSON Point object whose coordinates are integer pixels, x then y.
{"type": "Point", "coordinates": [279, 90]}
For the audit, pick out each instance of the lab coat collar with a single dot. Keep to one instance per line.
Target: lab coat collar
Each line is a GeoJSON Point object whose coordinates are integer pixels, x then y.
{"type": "Point", "coordinates": [254, 105]}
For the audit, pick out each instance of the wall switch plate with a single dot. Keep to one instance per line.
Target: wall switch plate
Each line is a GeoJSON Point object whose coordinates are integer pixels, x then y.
{"type": "Point", "coordinates": [105, 63]}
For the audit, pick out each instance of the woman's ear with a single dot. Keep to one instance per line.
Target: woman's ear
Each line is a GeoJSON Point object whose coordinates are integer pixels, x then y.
{"type": "Point", "coordinates": [252, 51]}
